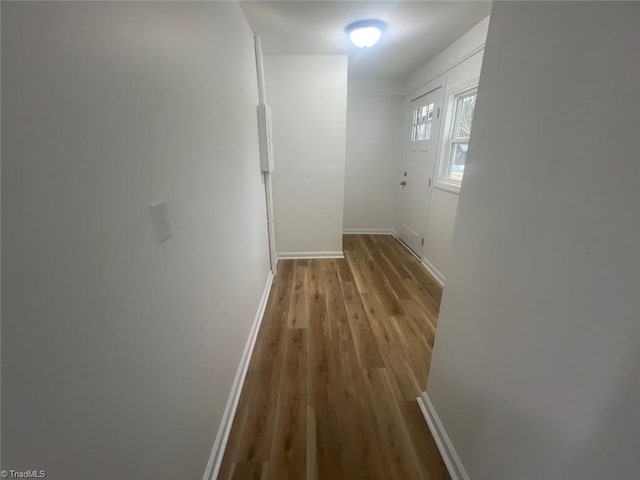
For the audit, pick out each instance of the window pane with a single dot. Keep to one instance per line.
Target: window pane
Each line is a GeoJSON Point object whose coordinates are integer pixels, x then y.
{"type": "Point", "coordinates": [458, 159]}
{"type": "Point", "coordinates": [465, 108]}
{"type": "Point", "coordinates": [422, 118]}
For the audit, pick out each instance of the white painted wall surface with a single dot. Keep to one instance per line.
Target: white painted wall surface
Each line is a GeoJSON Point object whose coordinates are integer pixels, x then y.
{"type": "Point", "coordinates": [308, 98]}
{"type": "Point", "coordinates": [437, 242]}
{"type": "Point", "coordinates": [118, 353]}
{"type": "Point", "coordinates": [468, 43]}
{"type": "Point", "coordinates": [535, 367]}
{"type": "Point", "coordinates": [444, 203]}
{"type": "Point", "coordinates": [374, 130]}
{"type": "Point", "coordinates": [360, 86]}
{"type": "Point", "coordinates": [459, 64]}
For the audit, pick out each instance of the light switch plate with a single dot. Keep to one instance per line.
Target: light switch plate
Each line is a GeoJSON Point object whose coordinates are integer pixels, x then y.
{"type": "Point", "coordinates": [160, 220]}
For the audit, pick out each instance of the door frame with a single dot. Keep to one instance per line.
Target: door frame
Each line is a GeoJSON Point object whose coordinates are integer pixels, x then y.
{"type": "Point", "coordinates": [423, 91]}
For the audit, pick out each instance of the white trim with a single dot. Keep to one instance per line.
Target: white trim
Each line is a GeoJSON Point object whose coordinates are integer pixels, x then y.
{"type": "Point", "coordinates": [443, 156]}
{"type": "Point", "coordinates": [447, 186]}
{"type": "Point", "coordinates": [303, 255]}
{"type": "Point", "coordinates": [429, 89]}
{"type": "Point", "coordinates": [395, 234]}
{"type": "Point", "coordinates": [447, 450]}
{"type": "Point", "coordinates": [266, 144]}
{"type": "Point", "coordinates": [408, 248]}
{"type": "Point", "coordinates": [435, 273]}
{"type": "Point", "coordinates": [220, 444]}
{"type": "Point", "coordinates": [448, 68]}
{"type": "Point", "coordinates": [257, 45]}
{"type": "Point", "coordinates": [367, 231]}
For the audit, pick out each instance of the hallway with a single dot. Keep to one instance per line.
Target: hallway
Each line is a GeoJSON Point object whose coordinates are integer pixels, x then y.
{"type": "Point", "coordinates": [342, 353]}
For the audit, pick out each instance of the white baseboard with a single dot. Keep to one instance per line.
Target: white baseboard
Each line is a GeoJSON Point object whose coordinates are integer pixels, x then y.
{"type": "Point", "coordinates": [435, 273]}
{"type": "Point", "coordinates": [367, 231]}
{"type": "Point", "coordinates": [406, 247]}
{"type": "Point", "coordinates": [217, 453]}
{"type": "Point", "coordinates": [395, 234]}
{"type": "Point", "coordinates": [302, 255]}
{"type": "Point", "coordinates": [448, 452]}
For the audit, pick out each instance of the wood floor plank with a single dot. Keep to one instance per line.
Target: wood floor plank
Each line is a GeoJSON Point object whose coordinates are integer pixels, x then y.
{"type": "Point", "coordinates": [403, 251]}
{"type": "Point", "coordinates": [383, 289]}
{"type": "Point", "coordinates": [422, 298]}
{"type": "Point", "coordinates": [312, 444]}
{"type": "Point", "coordinates": [360, 450]}
{"type": "Point", "coordinates": [404, 380]}
{"type": "Point", "coordinates": [370, 242]}
{"type": "Point", "coordinates": [426, 281]}
{"type": "Point", "coordinates": [315, 285]}
{"type": "Point", "coordinates": [342, 353]}
{"type": "Point", "coordinates": [344, 272]}
{"type": "Point", "coordinates": [392, 277]}
{"type": "Point", "coordinates": [285, 272]}
{"type": "Point", "coordinates": [397, 449]}
{"type": "Point", "coordinates": [395, 260]}
{"type": "Point", "coordinates": [330, 265]}
{"type": "Point", "coordinates": [360, 276]}
{"type": "Point", "coordinates": [250, 436]}
{"type": "Point", "coordinates": [288, 448]}
{"type": "Point", "coordinates": [364, 249]}
{"type": "Point", "coordinates": [298, 316]}
{"type": "Point", "coordinates": [336, 312]}
{"type": "Point", "coordinates": [363, 338]}
{"type": "Point", "coordinates": [249, 471]}
{"type": "Point", "coordinates": [422, 325]}
{"type": "Point", "coordinates": [433, 468]}
{"type": "Point", "coordinates": [269, 343]}
{"type": "Point", "coordinates": [323, 368]}
{"type": "Point", "coordinates": [413, 351]}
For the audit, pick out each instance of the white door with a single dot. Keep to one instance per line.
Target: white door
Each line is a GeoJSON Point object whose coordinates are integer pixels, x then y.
{"type": "Point", "coordinates": [418, 168]}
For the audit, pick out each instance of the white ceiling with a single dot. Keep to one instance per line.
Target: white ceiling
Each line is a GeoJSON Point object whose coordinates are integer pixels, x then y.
{"type": "Point", "coordinates": [417, 31]}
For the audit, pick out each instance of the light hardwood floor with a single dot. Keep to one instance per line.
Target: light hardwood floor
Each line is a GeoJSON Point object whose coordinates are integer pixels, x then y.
{"type": "Point", "coordinates": [342, 354]}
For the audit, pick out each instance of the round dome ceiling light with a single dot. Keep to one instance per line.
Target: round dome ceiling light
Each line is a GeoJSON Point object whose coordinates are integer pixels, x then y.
{"type": "Point", "coordinates": [365, 33]}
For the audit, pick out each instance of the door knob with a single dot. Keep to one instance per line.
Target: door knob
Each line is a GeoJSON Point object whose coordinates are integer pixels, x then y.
{"type": "Point", "coordinates": [403, 183]}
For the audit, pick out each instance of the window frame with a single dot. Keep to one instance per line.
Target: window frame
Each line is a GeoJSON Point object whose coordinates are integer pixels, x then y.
{"type": "Point", "coordinates": [453, 105]}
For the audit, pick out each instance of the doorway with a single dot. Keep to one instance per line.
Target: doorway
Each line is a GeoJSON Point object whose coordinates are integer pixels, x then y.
{"type": "Point", "coordinates": [418, 167]}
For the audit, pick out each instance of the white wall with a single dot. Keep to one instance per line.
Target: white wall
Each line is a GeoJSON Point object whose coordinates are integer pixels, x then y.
{"type": "Point", "coordinates": [535, 368]}
{"type": "Point", "coordinates": [308, 98]}
{"type": "Point", "coordinates": [118, 353]}
{"type": "Point", "coordinates": [374, 132]}
{"type": "Point", "coordinates": [456, 65]}
{"type": "Point", "coordinates": [466, 45]}
{"type": "Point", "coordinates": [444, 203]}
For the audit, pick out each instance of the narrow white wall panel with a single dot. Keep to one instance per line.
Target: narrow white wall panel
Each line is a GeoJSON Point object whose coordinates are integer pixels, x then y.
{"type": "Point", "coordinates": [308, 98]}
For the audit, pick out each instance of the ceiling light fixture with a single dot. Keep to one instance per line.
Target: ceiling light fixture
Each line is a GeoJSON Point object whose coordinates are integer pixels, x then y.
{"type": "Point", "coordinates": [365, 33]}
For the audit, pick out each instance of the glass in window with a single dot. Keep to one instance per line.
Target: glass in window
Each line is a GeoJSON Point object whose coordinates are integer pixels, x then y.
{"type": "Point", "coordinates": [465, 108]}
{"type": "Point", "coordinates": [458, 159]}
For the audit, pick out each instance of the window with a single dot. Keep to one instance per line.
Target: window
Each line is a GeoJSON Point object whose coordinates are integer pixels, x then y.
{"type": "Point", "coordinates": [421, 127]}
{"type": "Point", "coordinates": [457, 143]}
